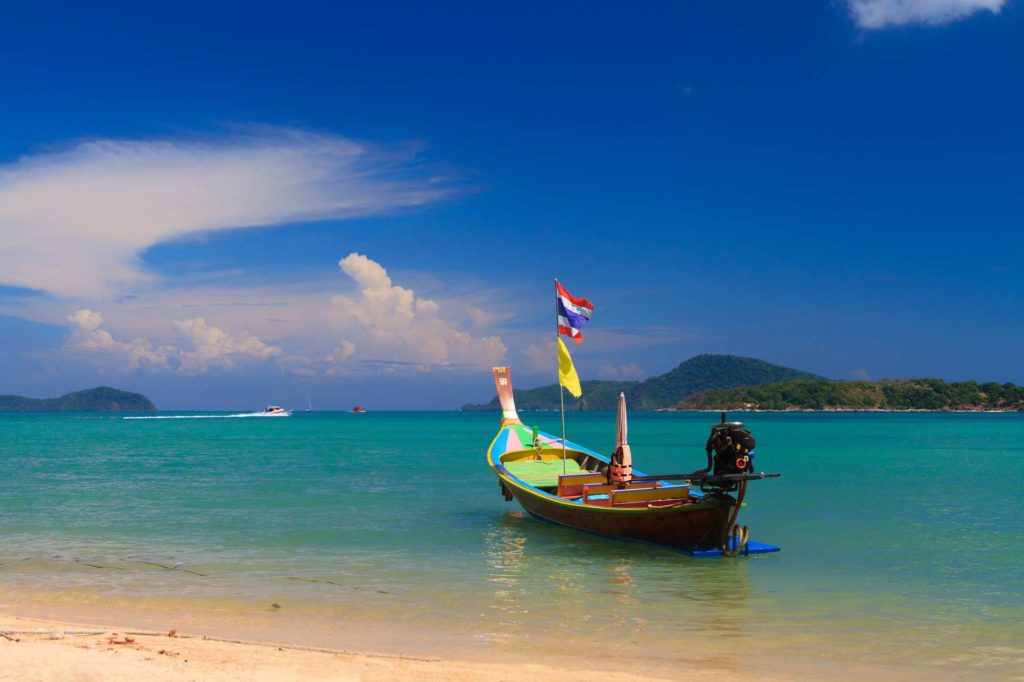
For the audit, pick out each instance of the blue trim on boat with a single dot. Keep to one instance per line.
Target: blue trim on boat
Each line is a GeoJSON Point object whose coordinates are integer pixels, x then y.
{"type": "Point", "coordinates": [501, 442]}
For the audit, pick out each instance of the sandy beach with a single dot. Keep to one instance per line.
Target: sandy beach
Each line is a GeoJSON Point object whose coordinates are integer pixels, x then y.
{"type": "Point", "coordinates": [33, 649]}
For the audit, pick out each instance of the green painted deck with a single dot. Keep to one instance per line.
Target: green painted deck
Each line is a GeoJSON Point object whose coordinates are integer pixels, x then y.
{"type": "Point", "coordinates": [543, 473]}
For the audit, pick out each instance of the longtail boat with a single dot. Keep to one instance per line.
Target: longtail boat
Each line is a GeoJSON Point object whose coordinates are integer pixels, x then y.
{"type": "Point", "coordinates": [567, 484]}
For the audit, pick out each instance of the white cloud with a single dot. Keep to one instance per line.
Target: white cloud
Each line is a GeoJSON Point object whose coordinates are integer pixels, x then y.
{"type": "Point", "coordinates": [87, 337]}
{"type": "Point", "coordinates": [86, 321]}
{"type": "Point", "coordinates": [307, 328]}
{"type": "Point", "coordinates": [541, 357]}
{"type": "Point", "coordinates": [73, 222]}
{"type": "Point", "coordinates": [485, 318]}
{"type": "Point", "coordinates": [214, 348]}
{"type": "Point", "coordinates": [878, 14]}
{"type": "Point", "coordinates": [626, 372]}
{"type": "Point", "coordinates": [345, 350]}
{"type": "Point", "coordinates": [211, 348]}
{"type": "Point", "coordinates": [388, 324]}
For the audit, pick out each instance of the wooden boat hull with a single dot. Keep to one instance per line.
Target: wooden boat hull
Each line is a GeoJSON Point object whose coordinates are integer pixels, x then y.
{"type": "Point", "coordinates": [693, 522]}
{"type": "Point", "coordinates": [695, 526]}
{"type": "Point", "coordinates": [696, 522]}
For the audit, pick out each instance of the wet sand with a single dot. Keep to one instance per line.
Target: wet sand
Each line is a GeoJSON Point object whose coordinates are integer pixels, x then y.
{"type": "Point", "coordinates": [34, 649]}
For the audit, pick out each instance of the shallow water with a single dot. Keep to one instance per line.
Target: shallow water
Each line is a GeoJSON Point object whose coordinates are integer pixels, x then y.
{"type": "Point", "coordinates": [902, 537]}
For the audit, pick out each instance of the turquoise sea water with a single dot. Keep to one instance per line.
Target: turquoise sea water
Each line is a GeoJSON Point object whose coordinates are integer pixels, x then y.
{"type": "Point", "coordinates": [902, 537]}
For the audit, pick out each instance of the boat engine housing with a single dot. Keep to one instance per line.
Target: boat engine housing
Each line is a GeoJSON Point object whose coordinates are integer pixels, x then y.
{"type": "Point", "coordinates": [730, 449]}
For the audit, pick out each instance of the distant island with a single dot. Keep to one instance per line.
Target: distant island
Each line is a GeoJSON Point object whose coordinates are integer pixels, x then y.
{"type": "Point", "coordinates": [699, 373]}
{"type": "Point", "coordinates": [101, 399]}
{"type": "Point", "coordinates": [730, 382]}
{"type": "Point", "coordinates": [888, 395]}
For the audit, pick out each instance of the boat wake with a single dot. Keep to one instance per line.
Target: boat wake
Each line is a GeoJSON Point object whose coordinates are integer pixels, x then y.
{"type": "Point", "coordinates": [204, 416]}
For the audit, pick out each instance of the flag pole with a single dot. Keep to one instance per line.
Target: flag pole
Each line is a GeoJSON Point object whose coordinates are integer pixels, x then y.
{"type": "Point", "coordinates": [561, 389]}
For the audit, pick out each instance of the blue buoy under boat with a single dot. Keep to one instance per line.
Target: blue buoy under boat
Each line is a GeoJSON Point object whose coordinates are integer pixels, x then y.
{"type": "Point", "coordinates": [751, 547]}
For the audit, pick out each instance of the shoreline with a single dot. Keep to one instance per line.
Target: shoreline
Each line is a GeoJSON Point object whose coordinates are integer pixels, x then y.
{"type": "Point", "coordinates": [44, 649]}
{"type": "Point", "coordinates": [85, 647]}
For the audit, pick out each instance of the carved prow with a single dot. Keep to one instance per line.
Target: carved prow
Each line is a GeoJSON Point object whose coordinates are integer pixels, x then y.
{"type": "Point", "coordinates": [503, 383]}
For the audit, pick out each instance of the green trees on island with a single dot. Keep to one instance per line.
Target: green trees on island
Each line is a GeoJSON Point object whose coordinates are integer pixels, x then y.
{"type": "Point", "coordinates": [705, 372]}
{"type": "Point", "coordinates": [906, 394]}
{"type": "Point", "coordinates": [101, 399]}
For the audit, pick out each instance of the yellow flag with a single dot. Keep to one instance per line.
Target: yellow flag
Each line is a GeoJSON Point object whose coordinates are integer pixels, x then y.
{"type": "Point", "coordinates": [566, 372]}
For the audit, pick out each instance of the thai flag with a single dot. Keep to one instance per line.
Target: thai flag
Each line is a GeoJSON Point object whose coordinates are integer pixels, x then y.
{"type": "Point", "coordinates": [573, 313]}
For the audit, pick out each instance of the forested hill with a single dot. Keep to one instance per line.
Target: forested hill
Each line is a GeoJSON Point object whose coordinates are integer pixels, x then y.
{"type": "Point", "coordinates": [704, 372]}
{"type": "Point", "coordinates": [699, 373]}
{"type": "Point", "coordinates": [909, 394]}
{"type": "Point", "coordinates": [101, 399]}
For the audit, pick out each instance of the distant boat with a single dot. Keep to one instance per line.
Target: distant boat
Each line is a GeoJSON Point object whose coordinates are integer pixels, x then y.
{"type": "Point", "coordinates": [309, 404]}
{"type": "Point", "coordinates": [275, 411]}
{"type": "Point", "coordinates": [359, 408]}
{"type": "Point", "coordinates": [567, 484]}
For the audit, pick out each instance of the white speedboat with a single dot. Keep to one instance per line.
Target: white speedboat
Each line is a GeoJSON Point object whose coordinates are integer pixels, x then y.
{"type": "Point", "coordinates": [275, 411]}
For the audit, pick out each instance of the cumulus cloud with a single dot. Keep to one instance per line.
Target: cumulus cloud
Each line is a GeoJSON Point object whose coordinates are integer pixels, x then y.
{"type": "Point", "coordinates": [87, 337]}
{"type": "Point", "coordinates": [208, 347]}
{"type": "Point", "coordinates": [541, 357]}
{"type": "Point", "coordinates": [345, 350]}
{"type": "Point", "coordinates": [213, 348]}
{"type": "Point", "coordinates": [629, 371]}
{"type": "Point", "coordinates": [388, 324]}
{"type": "Point", "coordinates": [373, 326]}
{"type": "Point", "coordinates": [74, 221]}
{"type": "Point", "coordinates": [879, 14]}
{"type": "Point", "coordinates": [485, 318]}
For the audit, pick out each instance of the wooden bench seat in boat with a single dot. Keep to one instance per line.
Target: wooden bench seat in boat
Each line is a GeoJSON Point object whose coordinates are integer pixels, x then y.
{"type": "Point", "coordinates": [601, 493]}
{"type": "Point", "coordinates": [542, 473]}
{"type": "Point", "coordinates": [647, 496]}
{"type": "Point", "coordinates": [601, 490]}
{"type": "Point", "coordinates": [571, 485]}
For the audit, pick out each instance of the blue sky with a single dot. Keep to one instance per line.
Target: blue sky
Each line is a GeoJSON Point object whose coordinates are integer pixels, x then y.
{"type": "Point", "coordinates": [833, 186]}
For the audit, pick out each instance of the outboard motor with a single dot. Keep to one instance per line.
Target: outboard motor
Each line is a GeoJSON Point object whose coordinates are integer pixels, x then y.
{"type": "Point", "coordinates": [730, 450]}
